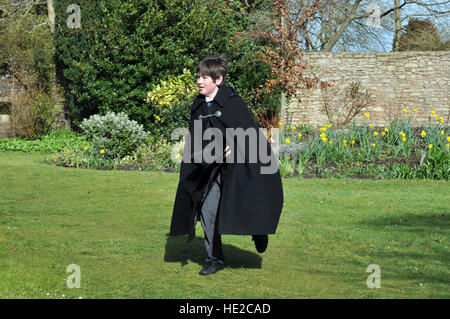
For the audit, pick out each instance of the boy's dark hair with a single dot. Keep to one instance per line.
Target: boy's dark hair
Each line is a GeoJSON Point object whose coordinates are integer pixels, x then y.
{"type": "Point", "coordinates": [214, 66]}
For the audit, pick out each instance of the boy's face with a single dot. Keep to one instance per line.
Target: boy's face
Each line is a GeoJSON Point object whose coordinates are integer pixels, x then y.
{"type": "Point", "coordinates": [207, 86]}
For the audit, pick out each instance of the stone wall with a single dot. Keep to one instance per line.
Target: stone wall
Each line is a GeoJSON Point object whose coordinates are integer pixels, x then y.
{"type": "Point", "coordinates": [395, 80]}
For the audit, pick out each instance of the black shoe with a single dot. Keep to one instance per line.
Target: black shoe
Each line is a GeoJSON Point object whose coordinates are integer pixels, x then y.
{"type": "Point", "coordinates": [261, 242]}
{"type": "Point", "coordinates": [211, 267]}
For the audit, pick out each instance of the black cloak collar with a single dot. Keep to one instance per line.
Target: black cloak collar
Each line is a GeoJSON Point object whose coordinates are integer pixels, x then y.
{"type": "Point", "coordinates": [224, 93]}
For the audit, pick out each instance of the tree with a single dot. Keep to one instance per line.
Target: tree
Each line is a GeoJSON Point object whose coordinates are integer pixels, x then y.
{"type": "Point", "coordinates": [284, 56]}
{"type": "Point", "coordinates": [421, 35]}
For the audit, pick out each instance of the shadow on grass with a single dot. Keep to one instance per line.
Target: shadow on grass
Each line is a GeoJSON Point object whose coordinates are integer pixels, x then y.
{"type": "Point", "coordinates": [177, 250]}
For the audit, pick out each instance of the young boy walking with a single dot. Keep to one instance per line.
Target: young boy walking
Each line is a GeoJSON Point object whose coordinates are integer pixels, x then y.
{"type": "Point", "coordinates": [235, 193]}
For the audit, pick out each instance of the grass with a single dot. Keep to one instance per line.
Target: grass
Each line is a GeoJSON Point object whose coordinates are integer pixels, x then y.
{"type": "Point", "coordinates": [114, 225]}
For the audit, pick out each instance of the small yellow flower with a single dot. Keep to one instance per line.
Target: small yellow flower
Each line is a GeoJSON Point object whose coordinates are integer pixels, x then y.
{"type": "Point", "coordinates": [353, 142]}
{"type": "Point", "coordinates": [373, 145]}
{"type": "Point", "coordinates": [442, 132]}
{"type": "Point", "coordinates": [102, 151]}
{"type": "Point", "coordinates": [288, 157]}
{"type": "Point", "coordinates": [330, 142]}
{"type": "Point", "coordinates": [386, 129]}
{"type": "Point", "coordinates": [415, 110]}
{"type": "Point", "coordinates": [436, 116]}
{"type": "Point", "coordinates": [383, 133]}
{"type": "Point", "coordinates": [432, 112]}
{"type": "Point", "coordinates": [370, 125]}
{"type": "Point", "coordinates": [423, 134]}
{"type": "Point", "coordinates": [324, 139]}
{"type": "Point", "coordinates": [375, 133]}
{"type": "Point", "coordinates": [448, 138]}
{"type": "Point", "coordinates": [403, 139]}
{"type": "Point", "coordinates": [280, 123]}
{"type": "Point", "coordinates": [322, 135]}
{"type": "Point", "coordinates": [300, 135]}
{"type": "Point", "coordinates": [402, 134]}
{"type": "Point", "coordinates": [366, 115]}
{"type": "Point", "coordinates": [345, 141]}
{"type": "Point", "coordinates": [287, 141]}
{"type": "Point", "coordinates": [85, 147]}
{"type": "Point", "coordinates": [442, 121]}
{"type": "Point", "coordinates": [430, 146]}
{"type": "Point", "coordinates": [447, 145]}
{"type": "Point", "coordinates": [299, 122]}
{"type": "Point", "coordinates": [323, 129]}
{"type": "Point", "coordinates": [405, 111]}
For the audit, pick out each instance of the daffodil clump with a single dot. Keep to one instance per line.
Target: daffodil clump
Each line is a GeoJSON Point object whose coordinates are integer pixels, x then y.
{"type": "Point", "coordinates": [367, 143]}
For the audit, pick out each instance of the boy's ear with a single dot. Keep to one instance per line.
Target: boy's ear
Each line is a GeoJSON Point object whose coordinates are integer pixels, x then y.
{"type": "Point", "coordinates": [219, 80]}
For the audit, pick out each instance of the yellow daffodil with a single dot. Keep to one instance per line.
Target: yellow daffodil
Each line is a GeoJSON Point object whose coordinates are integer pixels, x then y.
{"type": "Point", "coordinates": [300, 135]}
{"type": "Point", "coordinates": [430, 146]}
{"type": "Point", "coordinates": [442, 132]}
{"type": "Point", "coordinates": [432, 112]}
{"type": "Point", "coordinates": [330, 142]}
{"type": "Point", "coordinates": [293, 128]}
{"type": "Point", "coordinates": [85, 147]}
{"type": "Point", "coordinates": [423, 134]}
{"type": "Point", "coordinates": [345, 141]}
{"type": "Point", "coordinates": [403, 139]}
{"type": "Point", "coordinates": [366, 115]}
{"type": "Point", "coordinates": [299, 122]}
{"type": "Point", "coordinates": [287, 141]}
{"type": "Point", "coordinates": [370, 125]}
{"type": "Point", "coordinates": [322, 135]}
{"type": "Point", "coordinates": [280, 123]}
{"type": "Point", "coordinates": [324, 139]}
{"type": "Point", "coordinates": [375, 133]}
{"type": "Point", "coordinates": [436, 116]}
{"type": "Point", "coordinates": [386, 129]}
{"type": "Point", "coordinates": [405, 111]}
{"type": "Point", "coordinates": [415, 110]}
{"type": "Point", "coordinates": [383, 133]}
{"type": "Point", "coordinates": [323, 129]}
{"type": "Point", "coordinates": [353, 142]}
{"type": "Point", "coordinates": [373, 145]}
{"type": "Point", "coordinates": [448, 138]}
{"type": "Point", "coordinates": [102, 151]}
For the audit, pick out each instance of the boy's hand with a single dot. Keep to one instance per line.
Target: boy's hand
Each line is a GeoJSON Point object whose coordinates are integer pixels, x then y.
{"type": "Point", "coordinates": [227, 151]}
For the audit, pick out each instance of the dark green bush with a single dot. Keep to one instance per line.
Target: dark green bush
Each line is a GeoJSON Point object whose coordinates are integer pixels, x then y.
{"type": "Point", "coordinates": [124, 48]}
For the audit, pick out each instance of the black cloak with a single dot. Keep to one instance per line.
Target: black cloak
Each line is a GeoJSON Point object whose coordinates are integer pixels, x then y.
{"type": "Point", "coordinates": [250, 202]}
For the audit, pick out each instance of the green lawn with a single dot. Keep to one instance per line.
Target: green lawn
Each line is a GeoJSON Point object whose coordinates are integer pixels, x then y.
{"type": "Point", "coordinates": [114, 225]}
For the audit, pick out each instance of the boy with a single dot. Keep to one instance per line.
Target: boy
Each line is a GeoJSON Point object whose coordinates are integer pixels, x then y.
{"type": "Point", "coordinates": [232, 197]}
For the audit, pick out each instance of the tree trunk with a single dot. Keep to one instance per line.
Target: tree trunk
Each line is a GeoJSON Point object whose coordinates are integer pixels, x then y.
{"type": "Point", "coordinates": [57, 93]}
{"type": "Point", "coordinates": [51, 15]}
{"type": "Point", "coordinates": [398, 26]}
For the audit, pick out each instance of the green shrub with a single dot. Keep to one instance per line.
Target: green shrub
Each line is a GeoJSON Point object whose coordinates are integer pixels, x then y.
{"type": "Point", "coordinates": [48, 143]}
{"type": "Point", "coordinates": [113, 136]}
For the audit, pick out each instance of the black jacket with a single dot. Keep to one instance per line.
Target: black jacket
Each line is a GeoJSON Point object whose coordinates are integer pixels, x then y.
{"type": "Point", "coordinates": [250, 202]}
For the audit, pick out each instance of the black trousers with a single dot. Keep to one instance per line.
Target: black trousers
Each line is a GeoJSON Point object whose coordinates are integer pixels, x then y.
{"type": "Point", "coordinates": [209, 221]}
